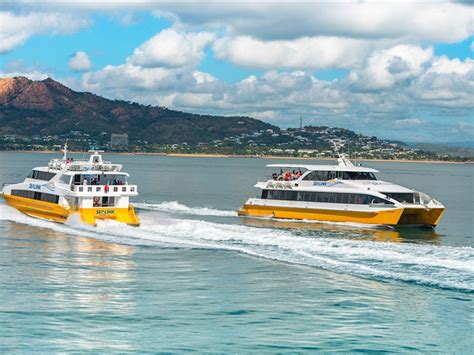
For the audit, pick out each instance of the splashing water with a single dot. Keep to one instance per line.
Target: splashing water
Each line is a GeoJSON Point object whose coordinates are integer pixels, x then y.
{"type": "Point", "coordinates": [439, 266]}
{"type": "Point", "coordinates": [176, 207]}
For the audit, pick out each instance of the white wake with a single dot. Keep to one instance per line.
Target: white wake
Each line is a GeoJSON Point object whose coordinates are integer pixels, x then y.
{"type": "Point", "coordinates": [440, 266]}
{"type": "Point", "coordinates": [176, 207]}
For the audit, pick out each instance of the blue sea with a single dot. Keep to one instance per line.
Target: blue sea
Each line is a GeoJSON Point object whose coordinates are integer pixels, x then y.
{"type": "Point", "coordinates": [195, 277]}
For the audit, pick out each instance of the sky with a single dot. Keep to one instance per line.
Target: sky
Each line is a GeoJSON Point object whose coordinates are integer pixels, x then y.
{"type": "Point", "coordinates": [399, 70]}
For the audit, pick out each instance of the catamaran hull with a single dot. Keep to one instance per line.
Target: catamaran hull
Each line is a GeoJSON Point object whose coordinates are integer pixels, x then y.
{"type": "Point", "coordinates": [382, 217]}
{"type": "Point", "coordinates": [57, 213]}
{"type": "Point", "coordinates": [421, 216]}
{"type": "Point", "coordinates": [396, 217]}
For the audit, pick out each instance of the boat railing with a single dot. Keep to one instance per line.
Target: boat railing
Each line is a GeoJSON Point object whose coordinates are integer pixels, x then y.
{"type": "Point", "coordinates": [83, 165]}
{"type": "Point", "coordinates": [112, 189]}
{"type": "Point", "coordinates": [280, 184]}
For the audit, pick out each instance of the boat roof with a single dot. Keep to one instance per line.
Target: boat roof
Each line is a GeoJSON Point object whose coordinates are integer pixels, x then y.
{"type": "Point", "coordinates": [78, 171]}
{"type": "Point", "coordinates": [324, 167]}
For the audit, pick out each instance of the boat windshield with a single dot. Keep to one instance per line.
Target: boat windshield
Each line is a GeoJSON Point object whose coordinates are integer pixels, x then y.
{"type": "Point", "coordinates": [342, 175]}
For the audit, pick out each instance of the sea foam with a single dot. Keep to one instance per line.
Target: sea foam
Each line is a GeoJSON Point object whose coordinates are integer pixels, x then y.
{"type": "Point", "coordinates": [430, 265]}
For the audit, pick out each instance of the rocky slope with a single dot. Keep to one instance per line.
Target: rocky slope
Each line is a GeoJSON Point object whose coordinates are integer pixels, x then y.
{"type": "Point", "coordinates": [49, 108]}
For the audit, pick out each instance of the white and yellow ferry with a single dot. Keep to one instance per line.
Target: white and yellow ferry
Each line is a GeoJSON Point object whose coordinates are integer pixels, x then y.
{"type": "Point", "coordinates": [340, 193]}
{"type": "Point", "coordinates": [93, 188]}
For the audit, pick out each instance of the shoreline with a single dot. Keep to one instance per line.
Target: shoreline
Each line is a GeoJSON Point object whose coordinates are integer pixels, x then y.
{"type": "Point", "coordinates": [204, 155]}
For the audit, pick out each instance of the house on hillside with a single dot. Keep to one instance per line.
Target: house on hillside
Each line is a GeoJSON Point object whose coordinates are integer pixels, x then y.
{"type": "Point", "coordinates": [119, 141]}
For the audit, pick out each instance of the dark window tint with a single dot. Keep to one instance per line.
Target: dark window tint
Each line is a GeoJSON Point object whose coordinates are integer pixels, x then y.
{"type": "Point", "coordinates": [317, 176]}
{"type": "Point", "coordinates": [344, 175]}
{"type": "Point", "coordinates": [355, 175]}
{"type": "Point", "coordinates": [326, 197]}
{"type": "Point", "coordinates": [401, 197]}
{"type": "Point", "coordinates": [41, 175]}
{"type": "Point", "coordinates": [35, 195]}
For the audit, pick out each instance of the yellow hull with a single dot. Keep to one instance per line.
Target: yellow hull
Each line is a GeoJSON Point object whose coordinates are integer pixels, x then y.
{"type": "Point", "coordinates": [57, 213]}
{"type": "Point", "coordinates": [421, 216]}
{"type": "Point", "coordinates": [386, 217]}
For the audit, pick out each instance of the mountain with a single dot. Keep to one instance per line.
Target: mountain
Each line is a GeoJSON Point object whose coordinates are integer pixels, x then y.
{"type": "Point", "coordinates": [446, 149]}
{"type": "Point", "coordinates": [47, 107]}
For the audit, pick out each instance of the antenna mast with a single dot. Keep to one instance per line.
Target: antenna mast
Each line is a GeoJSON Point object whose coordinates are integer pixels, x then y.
{"type": "Point", "coordinates": [65, 151]}
{"type": "Point", "coordinates": [342, 159]}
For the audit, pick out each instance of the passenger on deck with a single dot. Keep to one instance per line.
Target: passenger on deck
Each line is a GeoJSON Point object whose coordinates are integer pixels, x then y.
{"type": "Point", "coordinates": [94, 181]}
{"type": "Point", "coordinates": [84, 182]}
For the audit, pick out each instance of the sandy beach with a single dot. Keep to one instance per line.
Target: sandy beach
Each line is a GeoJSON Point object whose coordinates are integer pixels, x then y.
{"type": "Point", "coordinates": [203, 155]}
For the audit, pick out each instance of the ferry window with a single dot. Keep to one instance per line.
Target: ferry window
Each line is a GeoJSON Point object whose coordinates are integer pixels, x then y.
{"type": "Point", "coordinates": [317, 176]}
{"type": "Point", "coordinates": [351, 199]}
{"type": "Point", "coordinates": [305, 196]}
{"type": "Point", "coordinates": [416, 198]}
{"type": "Point", "coordinates": [77, 179]}
{"type": "Point", "coordinates": [65, 179]}
{"type": "Point", "coordinates": [324, 197]}
{"type": "Point", "coordinates": [358, 175]}
{"type": "Point", "coordinates": [36, 195]}
{"type": "Point", "coordinates": [41, 175]}
{"type": "Point", "coordinates": [124, 189]}
{"type": "Point", "coordinates": [291, 195]}
{"type": "Point", "coordinates": [401, 197]}
{"type": "Point", "coordinates": [49, 198]}
{"type": "Point", "coordinates": [279, 195]}
{"type": "Point", "coordinates": [376, 200]}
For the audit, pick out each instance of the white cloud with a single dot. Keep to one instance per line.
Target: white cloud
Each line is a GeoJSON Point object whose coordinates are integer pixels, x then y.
{"type": "Point", "coordinates": [315, 52]}
{"type": "Point", "coordinates": [386, 67]}
{"type": "Point", "coordinates": [444, 65]}
{"type": "Point", "coordinates": [408, 123]}
{"type": "Point", "coordinates": [80, 62]}
{"type": "Point", "coordinates": [391, 87]}
{"type": "Point", "coordinates": [274, 20]}
{"type": "Point", "coordinates": [172, 49]}
{"type": "Point", "coordinates": [30, 74]}
{"type": "Point", "coordinates": [15, 29]}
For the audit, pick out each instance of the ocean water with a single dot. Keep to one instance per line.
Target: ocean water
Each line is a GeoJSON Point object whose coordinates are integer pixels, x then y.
{"type": "Point", "coordinates": [194, 276]}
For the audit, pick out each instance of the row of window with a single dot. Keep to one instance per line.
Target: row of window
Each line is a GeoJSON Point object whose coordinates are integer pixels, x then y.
{"type": "Point", "coordinates": [403, 197]}
{"type": "Point", "coordinates": [82, 188]}
{"type": "Point", "coordinates": [329, 197]}
{"type": "Point", "coordinates": [35, 195]}
{"type": "Point", "coordinates": [342, 175]}
{"type": "Point", "coordinates": [99, 179]}
{"type": "Point", "coordinates": [41, 175]}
